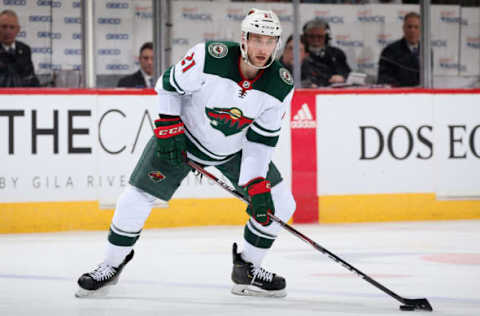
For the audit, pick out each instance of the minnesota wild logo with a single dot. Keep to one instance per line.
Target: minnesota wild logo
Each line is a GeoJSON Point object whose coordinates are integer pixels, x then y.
{"type": "Point", "coordinates": [286, 76]}
{"type": "Point", "coordinates": [156, 176]}
{"type": "Point", "coordinates": [229, 121]}
{"type": "Point", "coordinates": [218, 50]}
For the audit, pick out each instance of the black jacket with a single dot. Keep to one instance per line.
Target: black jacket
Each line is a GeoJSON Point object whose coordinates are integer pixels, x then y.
{"type": "Point", "coordinates": [134, 80]}
{"type": "Point", "coordinates": [16, 70]}
{"type": "Point", "coordinates": [398, 66]}
{"type": "Point", "coordinates": [318, 69]}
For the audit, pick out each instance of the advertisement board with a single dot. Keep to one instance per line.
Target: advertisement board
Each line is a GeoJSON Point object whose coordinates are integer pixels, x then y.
{"type": "Point", "coordinates": [348, 155]}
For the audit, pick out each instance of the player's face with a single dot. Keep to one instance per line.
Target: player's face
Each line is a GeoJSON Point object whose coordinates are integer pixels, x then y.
{"type": "Point", "coordinates": [146, 61]}
{"type": "Point", "coordinates": [9, 29]}
{"type": "Point", "coordinates": [316, 37]}
{"type": "Point", "coordinates": [260, 48]}
{"type": "Point", "coordinates": [411, 30]}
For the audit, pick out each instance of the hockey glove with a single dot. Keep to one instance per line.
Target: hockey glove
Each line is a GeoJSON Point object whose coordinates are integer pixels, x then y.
{"type": "Point", "coordinates": [170, 139]}
{"type": "Point", "coordinates": [261, 200]}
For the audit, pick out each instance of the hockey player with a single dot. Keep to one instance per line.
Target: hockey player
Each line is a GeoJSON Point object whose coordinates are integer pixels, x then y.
{"type": "Point", "coordinates": [222, 105]}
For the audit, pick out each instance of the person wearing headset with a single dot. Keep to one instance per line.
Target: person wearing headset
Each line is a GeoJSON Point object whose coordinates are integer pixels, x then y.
{"type": "Point", "coordinates": [399, 61]}
{"type": "Point", "coordinates": [325, 64]}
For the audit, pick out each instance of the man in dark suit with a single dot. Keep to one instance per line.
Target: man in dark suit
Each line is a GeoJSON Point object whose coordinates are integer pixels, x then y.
{"type": "Point", "coordinates": [143, 78]}
{"type": "Point", "coordinates": [399, 62]}
{"type": "Point", "coordinates": [325, 64]}
{"type": "Point", "coordinates": [16, 67]}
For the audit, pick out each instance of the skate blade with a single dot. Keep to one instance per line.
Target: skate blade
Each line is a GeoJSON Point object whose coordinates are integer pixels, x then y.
{"type": "Point", "coordinates": [101, 292]}
{"type": "Point", "coordinates": [82, 293]}
{"type": "Point", "coordinates": [249, 290]}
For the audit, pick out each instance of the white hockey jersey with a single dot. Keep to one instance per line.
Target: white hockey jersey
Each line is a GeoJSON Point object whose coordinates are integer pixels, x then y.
{"type": "Point", "coordinates": [223, 112]}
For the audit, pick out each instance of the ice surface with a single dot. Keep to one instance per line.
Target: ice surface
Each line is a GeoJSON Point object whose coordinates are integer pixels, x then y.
{"type": "Point", "coordinates": [186, 271]}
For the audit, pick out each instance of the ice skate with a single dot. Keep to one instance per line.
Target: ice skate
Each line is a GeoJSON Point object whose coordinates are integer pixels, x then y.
{"type": "Point", "coordinates": [94, 283]}
{"type": "Point", "coordinates": [255, 281]}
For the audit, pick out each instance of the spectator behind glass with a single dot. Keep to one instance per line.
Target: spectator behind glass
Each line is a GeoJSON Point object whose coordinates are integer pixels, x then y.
{"type": "Point", "coordinates": [324, 64]}
{"type": "Point", "coordinates": [399, 61]}
{"type": "Point", "coordinates": [143, 78]}
{"type": "Point", "coordinates": [287, 57]}
{"type": "Point", "coordinates": [16, 67]}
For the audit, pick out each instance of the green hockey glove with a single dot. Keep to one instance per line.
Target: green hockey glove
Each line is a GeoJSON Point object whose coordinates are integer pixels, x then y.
{"type": "Point", "coordinates": [170, 134]}
{"type": "Point", "coordinates": [261, 200]}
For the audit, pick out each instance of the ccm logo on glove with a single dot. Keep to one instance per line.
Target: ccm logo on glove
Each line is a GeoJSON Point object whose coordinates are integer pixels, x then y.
{"type": "Point", "coordinates": [168, 131]}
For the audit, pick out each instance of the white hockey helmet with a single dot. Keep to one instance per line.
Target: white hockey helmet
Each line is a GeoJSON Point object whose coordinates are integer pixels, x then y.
{"type": "Point", "coordinates": [264, 22]}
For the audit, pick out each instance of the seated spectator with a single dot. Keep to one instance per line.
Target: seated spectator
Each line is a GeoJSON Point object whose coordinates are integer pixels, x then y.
{"type": "Point", "coordinates": [143, 77]}
{"type": "Point", "coordinates": [325, 64]}
{"type": "Point", "coordinates": [399, 62]}
{"type": "Point", "coordinates": [16, 67]}
{"type": "Point", "coordinates": [287, 57]}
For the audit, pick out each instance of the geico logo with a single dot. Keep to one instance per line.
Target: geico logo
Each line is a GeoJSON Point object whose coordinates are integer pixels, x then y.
{"type": "Point", "coordinates": [108, 51]}
{"type": "Point", "coordinates": [49, 3]}
{"type": "Point", "coordinates": [76, 36]}
{"type": "Point", "coordinates": [373, 18]}
{"type": "Point", "coordinates": [334, 19]}
{"type": "Point", "coordinates": [453, 66]}
{"type": "Point", "coordinates": [447, 65]}
{"type": "Point", "coordinates": [450, 19]}
{"type": "Point", "coordinates": [72, 20]}
{"type": "Point", "coordinates": [473, 44]}
{"type": "Point", "coordinates": [197, 16]}
{"type": "Point", "coordinates": [117, 36]}
{"type": "Point", "coordinates": [180, 41]}
{"type": "Point", "coordinates": [49, 35]}
{"type": "Point", "coordinates": [116, 5]}
{"type": "Point", "coordinates": [143, 15]}
{"type": "Point", "coordinates": [439, 43]}
{"type": "Point", "coordinates": [40, 18]}
{"type": "Point", "coordinates": [109, 21]}
{"type": "Point", "coordinates": [117, 67]}
{"type": "Point", "coordinates": [235, 17]}
{"type": "Point", "coordinates": [76, 4]}
{"type": "Point", "coordinates": [41, 50]}
{"type": "Point", "coordinates": [15, 2]}
{"type": "Point", "coordinates": [49, 66]}
{"type": "Point", "coordinates": [22, 34]}
{"type": "Point", "coordinates": [349, 43]}
{"type": "Point", "coordinates": [384, 41]}
{"type": "Point", "coordinates": [72, 51]}
{"type": "Point", "coordinates": [366, 66]}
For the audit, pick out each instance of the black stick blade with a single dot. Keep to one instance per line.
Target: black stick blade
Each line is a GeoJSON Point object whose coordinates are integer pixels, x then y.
{"type": "Point", "coordinates": [417, 303]}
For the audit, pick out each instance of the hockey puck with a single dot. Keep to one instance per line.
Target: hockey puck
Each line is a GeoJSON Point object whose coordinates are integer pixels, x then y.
{"type": "Point", "coordinates": [407, 307]}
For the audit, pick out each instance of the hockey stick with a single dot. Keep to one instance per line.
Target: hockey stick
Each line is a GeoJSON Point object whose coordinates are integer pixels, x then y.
{"type": "Point", "coordinates": [409, 304]}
